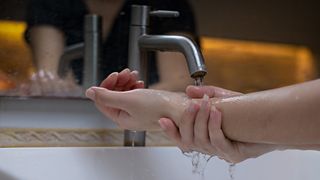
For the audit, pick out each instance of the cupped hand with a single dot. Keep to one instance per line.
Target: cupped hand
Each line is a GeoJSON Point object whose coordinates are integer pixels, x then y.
{"type": "Point", "coordinates": [119, 81]}
{"type": "Point", "coordinates": [137, 109]}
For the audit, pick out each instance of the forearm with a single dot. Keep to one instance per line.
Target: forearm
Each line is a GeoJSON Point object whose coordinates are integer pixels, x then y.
{"type": "Point", "coordinates": [47, 46]}
{"type": "Point", "coordinates": [288, 115]}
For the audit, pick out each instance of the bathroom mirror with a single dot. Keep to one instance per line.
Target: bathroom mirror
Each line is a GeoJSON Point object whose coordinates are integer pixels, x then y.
{"type": "Point", "coordinates": [248, 46]}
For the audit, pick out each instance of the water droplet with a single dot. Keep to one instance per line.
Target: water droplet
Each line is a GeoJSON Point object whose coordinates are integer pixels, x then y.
{"type": "Point", "coordinates": [232, 168]}
{"type": "Point", "coordinates": [199, 161]}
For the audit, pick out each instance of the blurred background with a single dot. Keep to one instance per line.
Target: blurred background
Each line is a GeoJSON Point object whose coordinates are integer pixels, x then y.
{"type": "Point", "coordinates": [248, 45]}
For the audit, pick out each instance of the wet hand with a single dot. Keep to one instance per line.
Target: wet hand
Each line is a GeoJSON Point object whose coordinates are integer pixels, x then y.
{"type": "Point", "coordinates": [200, 129]}
{"type": "Point", "coordinates": [137, 109]}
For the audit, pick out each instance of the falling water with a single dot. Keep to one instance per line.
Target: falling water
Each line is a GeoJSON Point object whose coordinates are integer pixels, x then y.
{"type": "Point", "coordinates": [232, 168]}
{"type": "Point", "coordinates": [198, 81]}
{"type": "Point", "coordinates": [199, 162]}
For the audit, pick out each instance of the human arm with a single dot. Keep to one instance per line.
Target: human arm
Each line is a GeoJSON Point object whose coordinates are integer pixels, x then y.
{"type": "Point", "coordinates": [258, 117]}
{"type": "Point", "coordinates": [46, 37]}
{"type": "Point", "coordinates": [287, 115]}
{"type": "Point", "coordinates": [200, 124]}
{"type": "Point", "coordinates": [200, 130]}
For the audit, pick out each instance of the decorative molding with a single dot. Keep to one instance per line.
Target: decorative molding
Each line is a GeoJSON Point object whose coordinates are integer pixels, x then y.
{"type": "Point", "coordinates": [72, 137]}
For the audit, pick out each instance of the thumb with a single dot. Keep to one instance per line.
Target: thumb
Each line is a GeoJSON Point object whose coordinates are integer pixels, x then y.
{"type": "Point", "coordinates": [200, 91]}
{"type": "Point", "coordinates": [103, 96]}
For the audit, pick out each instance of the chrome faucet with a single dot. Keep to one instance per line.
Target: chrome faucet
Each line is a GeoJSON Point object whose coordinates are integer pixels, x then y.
{"type": "Point", "coordinates": [89, 50]}
{"type": "Point", "coordinates": [140, 42]}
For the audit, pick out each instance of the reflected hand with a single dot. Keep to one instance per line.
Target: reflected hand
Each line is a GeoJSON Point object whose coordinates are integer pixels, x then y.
{"type": "Point", "coordinates": [45, 83]}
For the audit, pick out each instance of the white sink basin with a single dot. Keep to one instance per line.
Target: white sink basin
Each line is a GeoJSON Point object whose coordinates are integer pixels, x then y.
{"type": "Point", "coordinates": [147, 164]}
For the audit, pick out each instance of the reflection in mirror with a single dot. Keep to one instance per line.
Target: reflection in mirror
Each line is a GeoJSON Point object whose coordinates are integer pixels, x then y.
{"type": "Point", "coordinates": [51, 26]}
{"type": "Point", "coordinates": [247, 45]}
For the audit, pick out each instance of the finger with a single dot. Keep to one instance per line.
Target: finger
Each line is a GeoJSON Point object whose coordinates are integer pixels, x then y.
{"type": "Point", "coordinates": [123, 78]}
{"type": "Point", "coordinates": [114, 99]}
{"type": "Point", "coordinates": [187, 124]}
{"type": "Point", "coordinates": [211, 91]}
{"type": "Point", "coordinates": [200, 91]}
{"type": "Point", "coordinates": [138, 85]}
{"type": "Point", "coordinates": [133, 79]}
{"type": "Point", "coordinates": [171, 130]}
{"type": "Point", "coordinates": [216, 134]}
{"type": "Point", "coordinates": [110, 81]}
{"type": "Point", "coordinates": [220, 92]}
{"type": "Point", "coordinates": [201, 135]}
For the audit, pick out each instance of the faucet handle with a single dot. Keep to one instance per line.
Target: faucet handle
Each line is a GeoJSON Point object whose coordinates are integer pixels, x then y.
{"type": "Point", "coordinates": [164, 13]}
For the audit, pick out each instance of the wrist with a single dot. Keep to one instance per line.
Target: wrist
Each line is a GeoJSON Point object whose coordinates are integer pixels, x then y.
{"type": "Point", "coordinates": [176, 106]}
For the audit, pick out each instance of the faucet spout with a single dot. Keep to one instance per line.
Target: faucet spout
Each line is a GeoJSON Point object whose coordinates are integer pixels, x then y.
{"type": "Point", "coordinates": [181, 44]}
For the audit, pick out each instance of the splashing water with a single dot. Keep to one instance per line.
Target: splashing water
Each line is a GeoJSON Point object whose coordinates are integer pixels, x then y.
{"type": "Point", "coordinates": [199, 161]}
{"type": "Point", "coordinates": [232, 169]}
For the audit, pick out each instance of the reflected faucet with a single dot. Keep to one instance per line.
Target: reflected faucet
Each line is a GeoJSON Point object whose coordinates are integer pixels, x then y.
{"type": "Point", "coordinates": [140, 42]}
{"type": "Point", "coordinates": [90, 51]}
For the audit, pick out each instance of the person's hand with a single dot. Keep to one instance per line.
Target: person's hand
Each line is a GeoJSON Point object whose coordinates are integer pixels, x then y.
{"type": "Point", "coordinates": [123, 81]}
{"type": "Point", "coordinates": [46, 83]}
{"type": "Point", "coordinates": [138, 109]}
{"type": "Point", "coordinates": [200, 129]}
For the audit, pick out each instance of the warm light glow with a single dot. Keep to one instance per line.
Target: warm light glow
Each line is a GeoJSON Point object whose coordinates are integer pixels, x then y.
{"type": "Point", "coordinates": [252, 66]}
{"type": "Point", "coordinates": [12, 30]}
{"type": "Point", "coordinates": [15, 55]}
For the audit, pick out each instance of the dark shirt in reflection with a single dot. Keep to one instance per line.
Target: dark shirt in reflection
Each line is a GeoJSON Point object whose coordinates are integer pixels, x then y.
{"type": "Point", "coordinates": [68, 16]}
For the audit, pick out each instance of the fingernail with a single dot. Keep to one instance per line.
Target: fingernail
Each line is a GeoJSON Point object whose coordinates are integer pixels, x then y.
{"type": "Point", "coordinates": [205, 97]}
{"type": "Point", "coordinates": [90, 93]}
{"type": "Point", "coordinates": [126, 70]}
{"type": "Point", "coordinates": [162, 124]}
{"type": "Point", "coordinates": [114, 74]}
{"type": "Point", "coordinates": [215, 111]}
{"type": "Point", "coordinates": [135, 72]}
{"type": "Point", "coordinates": [205, 101]}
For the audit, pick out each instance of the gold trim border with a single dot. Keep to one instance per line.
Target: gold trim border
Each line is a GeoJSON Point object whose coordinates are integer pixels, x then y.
{"type": "Point", "coordinates": [22, 137]}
